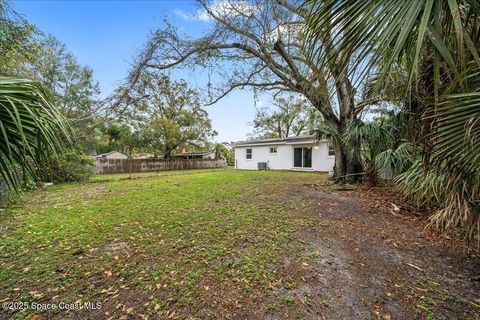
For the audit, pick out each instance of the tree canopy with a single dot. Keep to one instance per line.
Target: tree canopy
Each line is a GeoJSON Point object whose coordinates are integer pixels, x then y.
{"type": "Point", "coordinates": [168, 114]}
{"type": "Point", "coordinates": [288, 115]}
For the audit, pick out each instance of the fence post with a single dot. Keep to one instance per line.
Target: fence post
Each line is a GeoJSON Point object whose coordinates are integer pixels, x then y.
{"type": "Point", "coordinates": [130, 168]}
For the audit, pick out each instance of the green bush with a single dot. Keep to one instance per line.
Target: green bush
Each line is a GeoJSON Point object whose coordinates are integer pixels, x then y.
{"type": "Point", "coordinates": [71, 166]}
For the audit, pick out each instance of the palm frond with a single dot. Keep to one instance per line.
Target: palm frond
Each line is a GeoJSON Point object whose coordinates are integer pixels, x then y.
{"type": "Point", "coordinates": [369, 138]}
{"type": "Point", "coordinates": [456, 203]}
{"type": "Point", "coordinates": [326, 129]}
{"type": "Point", "coordinates": [30, 128]}
{"type": "Point", "coordinates": [457, 136]}
{"type": "Point", "coordinates": [392, 162]}
{"type": "Point", "coordinates": [380, 34]}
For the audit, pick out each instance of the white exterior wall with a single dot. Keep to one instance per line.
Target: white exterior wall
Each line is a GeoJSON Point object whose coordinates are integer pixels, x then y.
{"type": "Point", "coordinates": [321, 161]}
{"type": "Point", "coordinates": [283, 159]}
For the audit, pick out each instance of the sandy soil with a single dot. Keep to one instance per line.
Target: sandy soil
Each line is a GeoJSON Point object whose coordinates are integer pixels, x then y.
{"type": "Point", "coordinates": [378, 263]}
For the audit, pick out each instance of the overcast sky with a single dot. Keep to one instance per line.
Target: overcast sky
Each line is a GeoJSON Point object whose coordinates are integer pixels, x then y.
{"type": "Point", "coordinates": [106, 35]}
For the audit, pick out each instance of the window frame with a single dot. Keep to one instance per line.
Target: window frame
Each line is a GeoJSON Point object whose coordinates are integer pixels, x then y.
{"type": "Point", "coordinates": [248, 153]}
{"type": "Point", "coordinates": [330, 149]}
{"type": "Point", "coordinates": [270, 150]}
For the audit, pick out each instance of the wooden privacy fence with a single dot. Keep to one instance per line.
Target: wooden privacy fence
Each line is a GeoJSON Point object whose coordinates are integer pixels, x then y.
{"type": "Point", "coordinates": [144, 165]}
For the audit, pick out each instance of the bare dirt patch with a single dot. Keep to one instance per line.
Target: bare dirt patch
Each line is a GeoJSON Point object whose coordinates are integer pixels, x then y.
{"type": "Point", "coordinates": [372, 264]}
{"type": "Point", "coordinates": [117, 246]}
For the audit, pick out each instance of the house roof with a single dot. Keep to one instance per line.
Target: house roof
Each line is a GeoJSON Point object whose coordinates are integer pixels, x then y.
{"type": "Point", "coordinates": [143, 154]}
{"type": "Point", "coordinates": [287, 140]}
{"type": "Point", "coordinates": [108, 153]}
{"type": "Point", "coordinates": [192, 154]}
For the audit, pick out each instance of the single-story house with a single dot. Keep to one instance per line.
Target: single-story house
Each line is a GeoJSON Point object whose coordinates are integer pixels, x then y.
{"type": "Point", "coordinates": [304, 153]}
{"type": "Point", "coordinates": [112, 155]}
{"type": "Point", "coordinates": [195, 155]}
{"type": "Point", "coordinates": [143, 155]}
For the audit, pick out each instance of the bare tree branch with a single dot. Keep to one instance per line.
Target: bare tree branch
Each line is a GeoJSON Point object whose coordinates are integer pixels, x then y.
{"type": "Point", "coordinates": [277, 85]}
{"type": "Point", "coordinates": [294, 8]}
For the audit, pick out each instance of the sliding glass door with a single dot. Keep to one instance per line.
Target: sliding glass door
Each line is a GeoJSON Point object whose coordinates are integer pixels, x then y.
{"type": "Point", "coordinates": [297, 157]}
{"type": "Point", "coordinates": [307, 157]}
{"type": "Point", "coordinates": [302, 157]}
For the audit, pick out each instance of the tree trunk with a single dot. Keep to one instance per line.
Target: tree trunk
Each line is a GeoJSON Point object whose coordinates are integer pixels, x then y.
{"type": "Point", "coordinates": [341, 162]}
{"type": "Point", "coordinates": [355, 170]}
{"type": "Point", "coordinates": [348, 167]}
{"type": "Point", "coordinates": [167, 154]}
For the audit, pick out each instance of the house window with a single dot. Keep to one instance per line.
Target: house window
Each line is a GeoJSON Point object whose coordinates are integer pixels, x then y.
{"type": "Point", "coordinates": [249, 153]}
{"type": "Point", "coordinates": [302, 157]}
{"type": "Point", "coordinates": [331, 151]}
{"type": "Point", "coordinates": [273, 149]}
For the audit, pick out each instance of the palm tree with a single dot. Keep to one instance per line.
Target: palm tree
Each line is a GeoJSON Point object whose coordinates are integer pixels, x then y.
{"type": "Point", "coordinates": [371, 141]}
{"type": "Point", "coordinates": [437, 45]}
{"type": "Point", "coordinates": [31, 129]}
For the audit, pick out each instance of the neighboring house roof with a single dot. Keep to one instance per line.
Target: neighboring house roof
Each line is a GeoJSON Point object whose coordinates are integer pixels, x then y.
{"type": "Point", "coordinates": [143, 154]}
{"type": "Point", "coordinates": [288, 140]}
{"type": "Point", "coordinates": [191, 154]}
{"type": "Point", "coordinates": [109, 153]}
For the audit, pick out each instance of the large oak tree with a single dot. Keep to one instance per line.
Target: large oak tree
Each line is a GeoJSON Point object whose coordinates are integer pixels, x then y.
{"type": "Point", "coordinates": [168, 115]}
{"type": "Point", "coordinates": [258, 44]}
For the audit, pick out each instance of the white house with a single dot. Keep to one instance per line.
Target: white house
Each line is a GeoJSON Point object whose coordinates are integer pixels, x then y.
{"type": "Point", "coordinates": [293, 153]}
{"type": "Point", "coordinates": [112, 155]}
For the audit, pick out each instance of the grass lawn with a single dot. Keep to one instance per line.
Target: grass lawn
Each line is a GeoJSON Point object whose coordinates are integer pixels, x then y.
{"type": "Point", "coordinates": [192, 244]}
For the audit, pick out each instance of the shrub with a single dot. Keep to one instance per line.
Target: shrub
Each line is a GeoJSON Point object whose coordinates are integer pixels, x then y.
{"type": "Point", "coordinates": [71, 166]}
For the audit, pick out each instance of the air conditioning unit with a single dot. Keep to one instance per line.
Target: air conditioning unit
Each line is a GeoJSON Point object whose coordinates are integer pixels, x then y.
{"type": "Point", "coordinates": [262, 166]}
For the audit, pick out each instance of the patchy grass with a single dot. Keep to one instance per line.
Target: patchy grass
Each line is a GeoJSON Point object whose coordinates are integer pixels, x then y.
{"type": "Point", "coordinates": [192, 244]}
{"type": "Point", "coordinates": [225, 244]}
